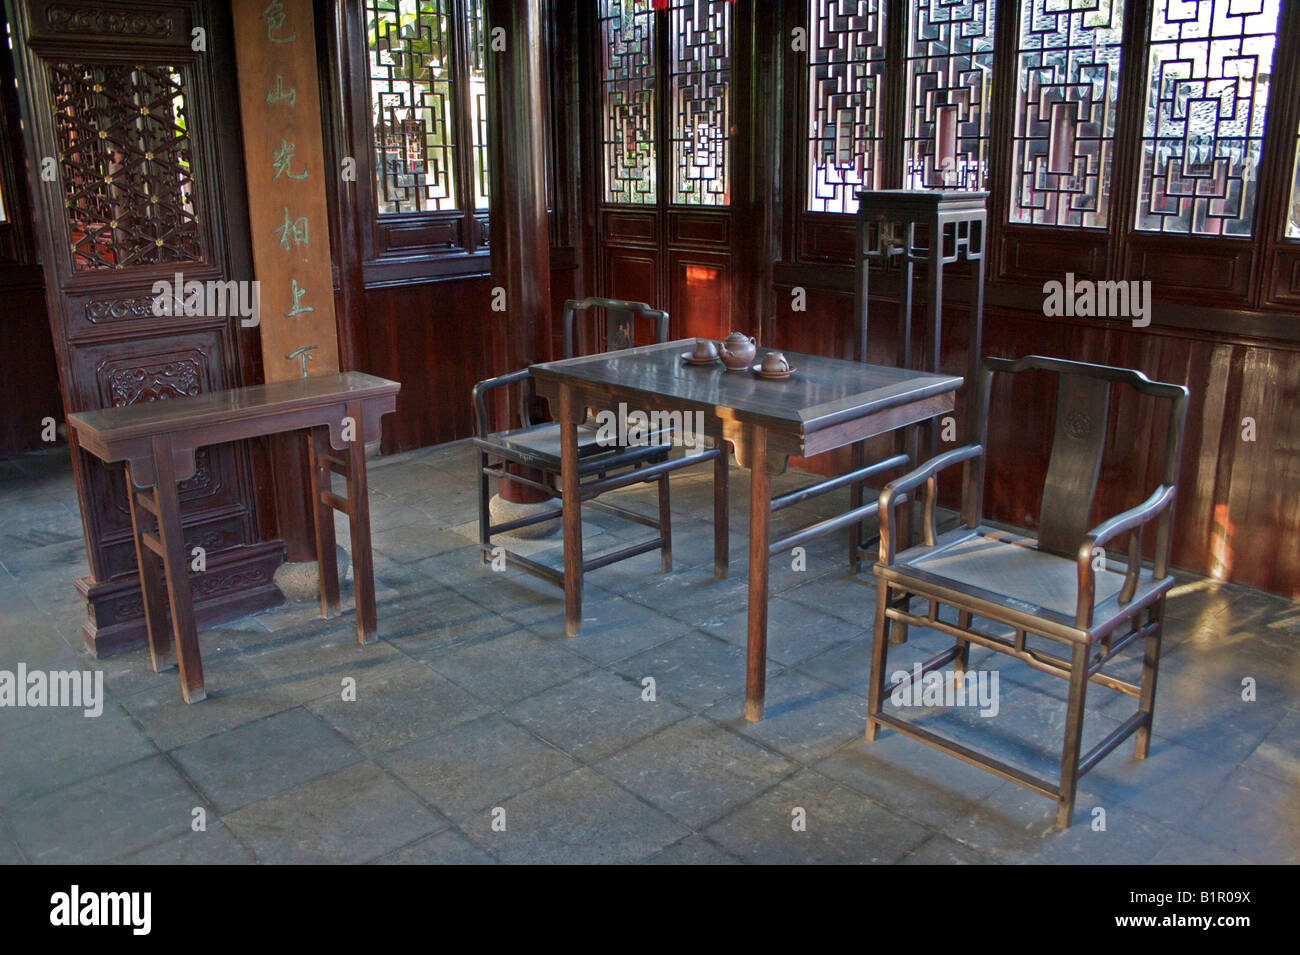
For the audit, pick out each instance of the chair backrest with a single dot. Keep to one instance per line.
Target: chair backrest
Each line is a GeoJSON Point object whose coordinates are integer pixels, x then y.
{"type": "Point", "coordinates": [1082, 409]}
{"type": "Point", "coordinates": [620, 323]}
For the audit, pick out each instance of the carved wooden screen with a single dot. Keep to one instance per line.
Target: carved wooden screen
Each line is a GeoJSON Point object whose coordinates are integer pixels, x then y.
{"type": "Point", "coordinates": [1209, 64]}
{"type": "Point", "coordinates": [1067, 88]}
{"type": "Point", "coordinates": [126, 155]}
{"type": "Point", "coordinates": [146, 186]}
{"type": "Point", "coordinates": [949, 81]}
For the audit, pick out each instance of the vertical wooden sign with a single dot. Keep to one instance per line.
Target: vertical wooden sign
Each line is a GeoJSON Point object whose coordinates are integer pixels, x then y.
{"type": "Point", "coordinates": [275, 47]}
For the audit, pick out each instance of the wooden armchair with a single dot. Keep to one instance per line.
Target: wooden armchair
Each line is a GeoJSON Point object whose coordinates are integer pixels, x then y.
{"type": "Point", "coordinates": [535, 448]}
{"type": "Point", "coordinates": [1062, 585]}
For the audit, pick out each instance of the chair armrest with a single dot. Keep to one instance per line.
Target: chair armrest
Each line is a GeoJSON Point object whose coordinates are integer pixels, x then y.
{"type": "Point", "coordinates": [901, 489]}
{"type": "Point", "coordinates": [490, 384]}
{"type": "Point", "coordinates": [1123, 523]}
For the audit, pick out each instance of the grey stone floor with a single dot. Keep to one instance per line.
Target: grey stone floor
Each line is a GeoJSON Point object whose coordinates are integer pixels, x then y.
{"type": "Point", "coordinates": [474, 707]}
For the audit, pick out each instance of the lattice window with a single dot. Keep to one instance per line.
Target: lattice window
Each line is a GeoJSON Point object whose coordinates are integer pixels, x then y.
{"type": "Point", "coordinates": [846, 61]}
{"type": "Point", "coordinates": [478, 103]}
{"type": "Point", "coordinates": [124, 158]}
{"type": "Point", "coordinates": [1066, 94]}
{"type": "Point", "coordinates": [949, 80]}
{"type": "Point", "coordinates": [1293, 209]}
{"type": "Point", "coordinates": [699, 83]}
{"type": "Point", "coordinates": [423, 102]}
{"type": "Point", "coordinates": [1208, 69]}
{"type": "Point", "coordinates": [695, 35]}
{"type": "Point", "coordinates": [628, 81]}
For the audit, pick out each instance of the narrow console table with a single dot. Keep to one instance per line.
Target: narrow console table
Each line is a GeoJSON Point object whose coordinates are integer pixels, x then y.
{"type": "Point", "coordinates": [158, 440]}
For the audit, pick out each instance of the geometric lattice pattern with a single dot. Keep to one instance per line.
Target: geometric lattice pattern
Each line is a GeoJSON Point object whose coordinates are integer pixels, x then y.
{"type": "Point", "coordinates": [125, 165]}
{"type": "Point", "coordinates": [846, 59]}
{"type": "Point", "coordinates": [699, 84]}
{"type": "Point", "coordinates": [949, 65]}
{"type": "Point", "coordinates": [412, 97]}
{"type": "Point", "coordinates": [1066, 95]}
{"type": "Point", "coordinates": [627, 32]}
{"type": "Point", "coordinates": [1293, 209]}
{"type": "Point", "coordinates": [478, 103]}
{"type": "Point", "coordinates": [1209, 63]}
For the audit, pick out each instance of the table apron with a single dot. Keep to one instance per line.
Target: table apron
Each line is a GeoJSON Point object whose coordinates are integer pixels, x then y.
{"type": "Point", "coordinates": [781, 441]}
{"type": "Point", "coordinates": [138, 451]}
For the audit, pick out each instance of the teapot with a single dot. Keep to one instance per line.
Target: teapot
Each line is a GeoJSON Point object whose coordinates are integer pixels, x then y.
{"type": "Point", "coordinates": [737, 351]}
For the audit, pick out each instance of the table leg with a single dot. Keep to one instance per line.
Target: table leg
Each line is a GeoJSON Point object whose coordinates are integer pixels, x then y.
{"type": "Point", "coordinates": [760, 523]}
{"type": "Point", "coordinates": [572, 505]}
{"type": "Point", "coordinates": [152, 585]}
{"type": "Point", "coordinates": [909, 519]}
{"type": "Point", "coordinates": [363, 565]}
{"type": "Point", "coordinates": [721, 511]}
{"type": "Point", "coordinates": [858, 459]}
{"type": "Point", "coordinates": [327, 564]}
{"type": "Point", "coordinates": [176, 567]}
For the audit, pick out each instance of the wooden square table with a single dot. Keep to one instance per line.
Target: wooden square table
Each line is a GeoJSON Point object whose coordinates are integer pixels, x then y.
{"type": "Point", "coordinates": [157, 441]}
{"type": "Point", "coordinates": [827, 403]}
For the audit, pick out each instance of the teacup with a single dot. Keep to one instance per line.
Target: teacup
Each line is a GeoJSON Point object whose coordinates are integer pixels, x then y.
{"type": "Point", "coordinates": [705, 350]}
{"type": "Point", "coordinates": [775, 363]}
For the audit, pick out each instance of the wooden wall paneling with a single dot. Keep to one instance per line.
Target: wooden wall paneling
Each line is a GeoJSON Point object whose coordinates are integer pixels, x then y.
{"type": "Point", "coordinates": [1037, 254]}
{"type": "Point", "coordinates": [630, 273]}
{"type": "Point", "coordinates": [431, 337]}
{"type": "Point", "coordinates": [29, 376]}
{"type": "Point", "coordinates": [700, 296]}
{"type": "Point", "coordinates": [1258, 519]}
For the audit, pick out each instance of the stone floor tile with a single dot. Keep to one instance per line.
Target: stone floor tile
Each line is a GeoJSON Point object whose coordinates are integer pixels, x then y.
{"type": "Point", "coordinates": [811, 819]}
{"type": "Point", "coordinates": [696, 771]}
{"type": "Point", "coordinates": [579, 818]}
{"type": "Point", "coordinates": [263, 758]}
{"type": "Point", "coordinates": [106, 816]}
{"type": "Point", "coordinates": [354, 815]}
{"type": "Point", "coordinates": [474, 766]}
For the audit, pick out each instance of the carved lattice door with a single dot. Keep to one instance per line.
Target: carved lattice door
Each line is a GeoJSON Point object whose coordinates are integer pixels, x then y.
{"type": "Point", "coordinates": [665, 228]}
{"type": "Point", "coordinates": [132, 149]}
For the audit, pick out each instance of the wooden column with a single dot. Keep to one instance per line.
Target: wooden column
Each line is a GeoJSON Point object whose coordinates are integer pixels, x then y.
{"type": "Point", "coordinates": [520, 237]}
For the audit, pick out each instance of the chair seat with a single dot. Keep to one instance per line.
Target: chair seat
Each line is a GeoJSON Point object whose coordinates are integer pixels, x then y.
{"type": "Point", "coordinates": [539, 446]}
{"type": "Point", "coordinates": [1022, 585]}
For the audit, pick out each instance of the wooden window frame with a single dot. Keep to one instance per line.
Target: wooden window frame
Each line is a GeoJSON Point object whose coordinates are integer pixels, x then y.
{"type": "Point", "coordinates": [410, 247]}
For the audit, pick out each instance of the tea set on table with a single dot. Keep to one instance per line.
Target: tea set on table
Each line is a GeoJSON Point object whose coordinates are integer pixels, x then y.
{"type": "Point", "coordinates": [737, 353]}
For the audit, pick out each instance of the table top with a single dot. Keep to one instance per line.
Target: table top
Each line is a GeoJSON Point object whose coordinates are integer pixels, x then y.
{"type": "Point", "coordinates": [821, 393]}
{"type": "Point", "coordinates": [215, 408]}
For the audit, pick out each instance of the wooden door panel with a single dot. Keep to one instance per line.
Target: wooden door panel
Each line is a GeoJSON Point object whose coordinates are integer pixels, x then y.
{"type": "Point", "coordinates": [145, 186]}
{"type": "Point", "coordinates": [701, 302]}
{"type": "Point", "coordinates": [632, 274]}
